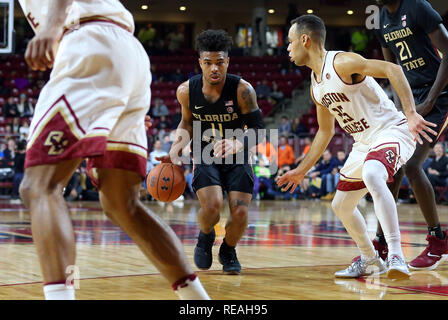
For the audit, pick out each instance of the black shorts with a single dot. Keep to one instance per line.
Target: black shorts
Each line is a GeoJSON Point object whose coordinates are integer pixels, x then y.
{"type": "Point", "coordinates": [438, 115]}
{"type": "Point", "coordinates": [231, 177]}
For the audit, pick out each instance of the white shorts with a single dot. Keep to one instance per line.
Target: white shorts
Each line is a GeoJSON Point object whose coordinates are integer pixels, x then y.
{"type": "Point", "coordinates": [95, 102]}
{"type": "Point", "coordinates": [393, 147]}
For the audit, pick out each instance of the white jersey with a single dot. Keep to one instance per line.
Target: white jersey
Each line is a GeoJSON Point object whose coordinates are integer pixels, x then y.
{"type": "Point", "coordinates": [36, 12]}
{"type": "Point", "coordinates": [362, 109]}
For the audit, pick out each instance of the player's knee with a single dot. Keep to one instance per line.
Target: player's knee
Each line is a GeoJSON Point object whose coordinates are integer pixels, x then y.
{"type": "Point", "coordinates": [212, 208]}
{"type": "Point", "coordinates": [26, 190]}
{"type": "Point", "coordinates": [114, 206]}
{"type": "Point", "coordinates": [239, 215]}
{"type": "Point", "coordinates": [374, 174]}
{"type": "Point", "coordinates": [413, 170]}
{"type": "Point", "coordinates": [337, 205]}
{"type": "Point", "coordinates": [32, 188]}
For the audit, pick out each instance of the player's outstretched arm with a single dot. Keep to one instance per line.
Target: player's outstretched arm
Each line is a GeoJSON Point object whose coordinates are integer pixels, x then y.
{"type": "Point", "coordinates": [323, 137]}
{"type": "Point", "coordinates": [41, 50]}
{"type": "Point", "coordinates": [347, 64]}
{"type": "Point", "coordinates": [184, 131]}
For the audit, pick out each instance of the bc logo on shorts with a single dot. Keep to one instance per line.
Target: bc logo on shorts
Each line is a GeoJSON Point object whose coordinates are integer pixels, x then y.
{"type": "Point", "coordinates": [390, 156]}
{"type": "Point", "coordinates": [56, 142]}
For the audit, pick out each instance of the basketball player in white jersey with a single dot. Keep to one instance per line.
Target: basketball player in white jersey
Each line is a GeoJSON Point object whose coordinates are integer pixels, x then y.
{"type": "Point", "coordinates": [343, 87]}
{"type": "Point", "coordinates": [94, 107]}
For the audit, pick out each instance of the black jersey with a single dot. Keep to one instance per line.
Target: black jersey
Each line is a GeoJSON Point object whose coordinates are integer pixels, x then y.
{"type": "Point", "coordinates": [214, 118]}
{"type": "Point", "coordinates": [405, 33]}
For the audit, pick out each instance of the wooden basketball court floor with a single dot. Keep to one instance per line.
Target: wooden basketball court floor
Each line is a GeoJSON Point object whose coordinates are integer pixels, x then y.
{"type": "Point", "coordinates": [290, 251]}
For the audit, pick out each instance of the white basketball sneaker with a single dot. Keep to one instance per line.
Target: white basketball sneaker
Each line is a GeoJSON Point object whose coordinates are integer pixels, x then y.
{"type": "Point", "coordinates": [361, 268]}
{"type": "Point", "coordinates": [397, 268]}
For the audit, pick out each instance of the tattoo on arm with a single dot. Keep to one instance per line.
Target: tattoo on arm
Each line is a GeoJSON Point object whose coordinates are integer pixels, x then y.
{"type": "Point", "coordinates": [249, 99]}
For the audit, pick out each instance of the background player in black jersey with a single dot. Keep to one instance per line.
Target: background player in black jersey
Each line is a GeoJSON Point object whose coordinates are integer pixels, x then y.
{"type": "Point", "coordinates": [410, 30]}
{"type": "Point", "coordinates": [218, 101]}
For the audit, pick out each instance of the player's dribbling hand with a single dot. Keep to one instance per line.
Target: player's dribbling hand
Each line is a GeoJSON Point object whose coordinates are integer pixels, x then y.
{"type": "Point", "coordinates": [291, 178]}
{"type": "Point", "coordinates": [419, 126]}
{"type": "Point", "coordinates": [164, 159]}
{"type": "Point", "coordinates": [41, 50]}
{"type": "Point", "coordinates": [226, 147]}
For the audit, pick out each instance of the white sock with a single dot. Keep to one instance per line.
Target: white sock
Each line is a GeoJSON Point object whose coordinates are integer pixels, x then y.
{"type": "Point", "coordinates": [59, 291]}
{"type": "Point", "coordinates": [344, 205]}
{"type": "Point", "coordinates": [375, 175]}
{"type": "Point", "coordinates": [190, 288]}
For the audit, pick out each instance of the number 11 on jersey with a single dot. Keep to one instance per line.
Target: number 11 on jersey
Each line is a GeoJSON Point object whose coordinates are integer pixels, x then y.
{"type": "Point", "coordinates": [221, 132]}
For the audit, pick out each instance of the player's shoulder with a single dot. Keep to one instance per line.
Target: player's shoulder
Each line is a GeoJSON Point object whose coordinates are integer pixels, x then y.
{"type": "Point", "coordinates": [244, 86]}
{"type": "Point", "coordinates": [183, 90]}
{"type": "Point", "coordinates": [345, 59]}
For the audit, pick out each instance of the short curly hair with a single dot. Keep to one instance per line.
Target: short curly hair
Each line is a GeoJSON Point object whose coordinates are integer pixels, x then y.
{"type": "Point", "coordinates": [213, 41]}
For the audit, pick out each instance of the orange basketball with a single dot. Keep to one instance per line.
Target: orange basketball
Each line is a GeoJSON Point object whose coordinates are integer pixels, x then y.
{"type": "Point", "coordinates": [165, 182]}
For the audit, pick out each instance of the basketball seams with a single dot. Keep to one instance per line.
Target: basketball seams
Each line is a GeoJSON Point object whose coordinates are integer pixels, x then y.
{"type": "Point", "coordinates": [172, 183]}
{"type": "Point", "coordinates": [158, 178]}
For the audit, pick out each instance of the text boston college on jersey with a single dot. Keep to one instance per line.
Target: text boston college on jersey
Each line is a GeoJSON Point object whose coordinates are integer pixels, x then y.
{"type": "Point", "coordinates": [351, 126]}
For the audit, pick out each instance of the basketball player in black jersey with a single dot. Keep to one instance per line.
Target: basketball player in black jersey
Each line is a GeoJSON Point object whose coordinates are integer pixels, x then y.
{"type": "Point", "coordinates": [218, 101]}
{"type": "Point", "coordinates": [410, 30]}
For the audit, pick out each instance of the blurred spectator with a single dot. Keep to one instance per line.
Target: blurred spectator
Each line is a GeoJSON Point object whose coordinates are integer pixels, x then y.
{"type": "Point", "coordinates": [298, 128]}
{"type": "Point", "coordinates": [323, 169]}
{"type": "Point", "coordinates": [332, 179]}
{"type": "Point", "coordinates": [306, 148]}
{"type": "Point", "coordinates": [189, 192]}
{"type": "Point", "coordinates": [176, 39]}
{"type": "Point", "coordinates": [166, 143]}
{"type": "Point", "coordinates": [276, 95]}
{"type": "Point", "coordinates": [178, 76]}
{"type": "Point", "coordinates": [267, 149]}
{"type": "Point", "coordinates": [438, 168]}
{"type": "Point", "coordinates": [157, 152]}
{"type": "Point", "coordinates": [24, 107]}
{"type": "Point", "coordinates": [262, 176]}
{"type": "Point", "coordinates": [19, 168]}
{"type": "Point", "coordinates": [147, 35]}
{"type": "Point", "coordinates": [10, 151]}
{"type": "Point", "coordinates": [15, 126]}
{"type": "Point", "coordinates": [263, 90]}
{"type": "Point", "coordinates": [20, 83]}
{"type": "Point", "coordinates": [24, 130]}
{"type": "Point", "coordinates": [160, 109]}
{"type": "Point", "coordinates": [8, 130]}
{"type": "Point", "coordinates": [359, 41]}
{"type": "Point", "coordinates": [10, 108]}
{"type": "Point", "coordinates": [285, 153]}
{"type": "Point", "coordinates": [163, 127]}
{"type": "Point", "coordinates": [285, 127]}
{"type": "Point", "coordinates": [176, 118]}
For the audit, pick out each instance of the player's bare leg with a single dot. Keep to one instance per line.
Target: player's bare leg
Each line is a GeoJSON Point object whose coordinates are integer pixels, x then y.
{"type": "Point", "coordinates": [211, 201]}
{"type": "Point", "coordinates": [41, 191]}
{"type": "Point", "coordinates": [119, 191]}
{"type": "Point", "coordinates": [236, 226]}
